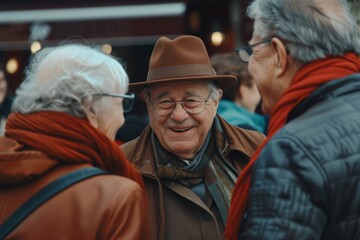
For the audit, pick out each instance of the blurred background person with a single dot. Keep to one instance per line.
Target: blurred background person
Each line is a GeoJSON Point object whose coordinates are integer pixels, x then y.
{"type": "Point", "coordinates": [65, 116]}
{"type": "Point", "coordinates": [5, 99]}
{"type": "Point", "coordinates": [239, 102]}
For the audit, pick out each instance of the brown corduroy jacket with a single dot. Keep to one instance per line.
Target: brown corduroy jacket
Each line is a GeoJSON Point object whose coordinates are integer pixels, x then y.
{"type": "Point", "coordinates": [101, 207]}
{"type": "Point", "coordinates": [175, 212]}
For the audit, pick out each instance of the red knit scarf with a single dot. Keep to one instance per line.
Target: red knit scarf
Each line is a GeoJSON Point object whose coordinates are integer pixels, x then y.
{"type": "Point", "coordinates": [71, 140]}
{"type": "Point", "coordinates": [307, 80]}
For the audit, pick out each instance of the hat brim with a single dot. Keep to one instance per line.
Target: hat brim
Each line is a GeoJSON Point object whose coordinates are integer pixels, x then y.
{"type": "Point", "coordinates": [222, 81]}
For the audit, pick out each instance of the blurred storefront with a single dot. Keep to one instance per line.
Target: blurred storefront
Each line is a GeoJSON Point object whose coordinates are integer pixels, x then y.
{"type": "Point", "coordinates": [126, 29]}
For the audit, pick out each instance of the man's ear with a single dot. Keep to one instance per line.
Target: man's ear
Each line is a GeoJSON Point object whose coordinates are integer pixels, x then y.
{"type": "Point", "coordinates": [146, 98]}
{"type": "Point", "coordinates": [282, 56]}
{"type": "Point", "coordinates": [143, 95]}
{"type": "Point", "coordinates": [218, 100]}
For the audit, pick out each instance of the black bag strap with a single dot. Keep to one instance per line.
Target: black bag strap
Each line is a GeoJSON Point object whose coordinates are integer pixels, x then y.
{"type": "Point", "coordinates": [45, 194]}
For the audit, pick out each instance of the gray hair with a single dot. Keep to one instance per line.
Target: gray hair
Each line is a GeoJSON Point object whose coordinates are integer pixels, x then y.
{"type": "Point", "coordinates": [311, 29]}
{"type": "Point", "coordinates": [215, 90]}
{"type": "Point", "coordinates": [69, 78]}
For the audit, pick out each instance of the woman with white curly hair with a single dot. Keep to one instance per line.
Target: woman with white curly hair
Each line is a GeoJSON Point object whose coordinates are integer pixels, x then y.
{"type": "Point", "coordinates": [63, 124]}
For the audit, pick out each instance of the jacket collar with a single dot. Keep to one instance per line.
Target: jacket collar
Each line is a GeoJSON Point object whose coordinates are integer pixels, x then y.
{"type": "Point", "coordinates": [328, 91]}
{"type": "Point", "coordinates": [18, 165]}
{"type": "Point", "coordinates": [236, 138]}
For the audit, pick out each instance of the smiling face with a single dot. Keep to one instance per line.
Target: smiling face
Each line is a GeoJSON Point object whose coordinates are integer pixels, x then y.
{"type": "Point", "coordinates": [181, 133]}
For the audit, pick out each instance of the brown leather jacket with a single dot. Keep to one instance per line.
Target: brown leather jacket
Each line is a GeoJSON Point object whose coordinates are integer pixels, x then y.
{"type": "Point", "coordinates": [101, 207]}
{"type": "Point", "coordinates": [175, 212]}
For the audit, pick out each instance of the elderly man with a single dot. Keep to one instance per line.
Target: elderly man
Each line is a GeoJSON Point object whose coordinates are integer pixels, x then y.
{"type": "Point", "coordinates": [304, 57]}
{"type": "Point", "coordinates": [189, 157]}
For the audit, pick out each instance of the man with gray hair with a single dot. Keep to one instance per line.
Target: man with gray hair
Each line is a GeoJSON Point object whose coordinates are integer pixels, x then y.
{"type": "Point", "coordinates": [303, 182]}
{"type": "Point", "coordinates": [189, 157]}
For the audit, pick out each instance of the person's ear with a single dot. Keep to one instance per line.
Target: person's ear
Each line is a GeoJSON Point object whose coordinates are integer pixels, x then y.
{"type": "Point", "coordinates": [220, 94]}
{"type": "Point", "coordinates": [216, 101]}
{"type": "Point", "coordinates": [282, 56]}
{"type": "Point", "coordinates": [143, 95]}
{"type": "Point", "coordinates": [90, 113]}
{"type": "Point", "coordinates": [146, 98]}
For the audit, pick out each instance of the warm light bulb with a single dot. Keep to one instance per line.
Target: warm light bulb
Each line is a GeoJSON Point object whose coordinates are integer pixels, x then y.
{"type": "Point", "coordinates": [107, 48]}
{"type": "Point", "coordinates": [35, 46]}
{"type": "Point", "coordinates": [217, 38]}
{"type": "Point", "coordinates": [12, 66]}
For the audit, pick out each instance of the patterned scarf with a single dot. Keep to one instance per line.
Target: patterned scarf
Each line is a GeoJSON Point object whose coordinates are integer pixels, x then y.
{"type": "Point", "coordinates": [209, 166]}
{"type": "Point", "coordinates": [309, 78]}
{"type": "Point", "coordinates": [69, 139]}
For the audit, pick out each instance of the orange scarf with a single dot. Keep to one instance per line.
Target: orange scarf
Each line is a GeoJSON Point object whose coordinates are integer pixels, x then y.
{"type": "Point", "coordinates": [70, 140]}
{"type": "Point", "coordinates": [307, 80]}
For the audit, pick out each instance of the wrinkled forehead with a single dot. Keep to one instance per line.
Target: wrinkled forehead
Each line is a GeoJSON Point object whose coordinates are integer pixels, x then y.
{"type": "Point", "coordinates": [190, 87]}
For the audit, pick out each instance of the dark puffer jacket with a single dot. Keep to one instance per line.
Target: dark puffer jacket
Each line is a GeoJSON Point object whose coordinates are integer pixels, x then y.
{"type": "Point", "coordinates": [306, 182]}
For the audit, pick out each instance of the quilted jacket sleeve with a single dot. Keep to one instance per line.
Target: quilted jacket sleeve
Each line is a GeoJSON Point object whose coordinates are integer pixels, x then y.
{"type": "Point", "coordinates": [287, 194]}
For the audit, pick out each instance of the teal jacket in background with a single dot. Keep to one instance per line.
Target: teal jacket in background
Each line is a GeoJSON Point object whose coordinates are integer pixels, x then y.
{"type": "Point", "coordinates": [241, 117]}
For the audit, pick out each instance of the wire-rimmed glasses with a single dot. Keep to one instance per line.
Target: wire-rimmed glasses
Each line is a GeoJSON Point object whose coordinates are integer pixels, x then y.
{"type": "Point", "coordinates": [128, 100]}
{"type": "Point", "coordinates": [246, 51]}
{"type": "Point", "coordinates": [192, 105]}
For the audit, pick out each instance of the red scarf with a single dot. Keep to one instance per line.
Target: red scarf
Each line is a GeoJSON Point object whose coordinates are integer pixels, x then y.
{"type": "Point", "coordinates": [307, 80]}
{"type": "Point", "coordinates": [71, 140]}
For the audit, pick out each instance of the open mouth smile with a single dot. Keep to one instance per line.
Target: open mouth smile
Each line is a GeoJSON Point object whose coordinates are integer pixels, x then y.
{"type": "Point", "coordinates": [181, 129]}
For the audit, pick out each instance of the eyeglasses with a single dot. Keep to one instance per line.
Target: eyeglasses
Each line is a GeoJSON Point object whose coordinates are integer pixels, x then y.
{"type": "Point", "coordinates": [192, 105]}
{"type": "Point", "coordinates": [128, 100]}
{"type": "Point", "coordinates": [246, 51]}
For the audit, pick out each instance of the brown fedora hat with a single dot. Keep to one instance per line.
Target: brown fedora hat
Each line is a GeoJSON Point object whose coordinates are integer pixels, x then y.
{"type": "Point", "coordinates": [181, 59]}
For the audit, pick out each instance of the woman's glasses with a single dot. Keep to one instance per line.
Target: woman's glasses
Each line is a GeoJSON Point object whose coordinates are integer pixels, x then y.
{"type": "Point", "coordinates": [128, 100]}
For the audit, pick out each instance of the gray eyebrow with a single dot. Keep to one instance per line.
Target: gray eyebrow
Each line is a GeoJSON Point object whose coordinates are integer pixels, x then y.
{"type": "Point", "coordinates": [162, 94]}
{"type": "Point", "coordinates": [187, 93]}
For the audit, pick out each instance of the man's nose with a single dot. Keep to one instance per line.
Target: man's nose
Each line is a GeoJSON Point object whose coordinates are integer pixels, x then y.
{"type": "Point", "coordinates": [179, 113]}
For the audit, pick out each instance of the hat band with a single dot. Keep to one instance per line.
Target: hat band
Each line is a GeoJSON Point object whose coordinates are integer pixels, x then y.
{"type": "Point", "coordinates": [189, 70]}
